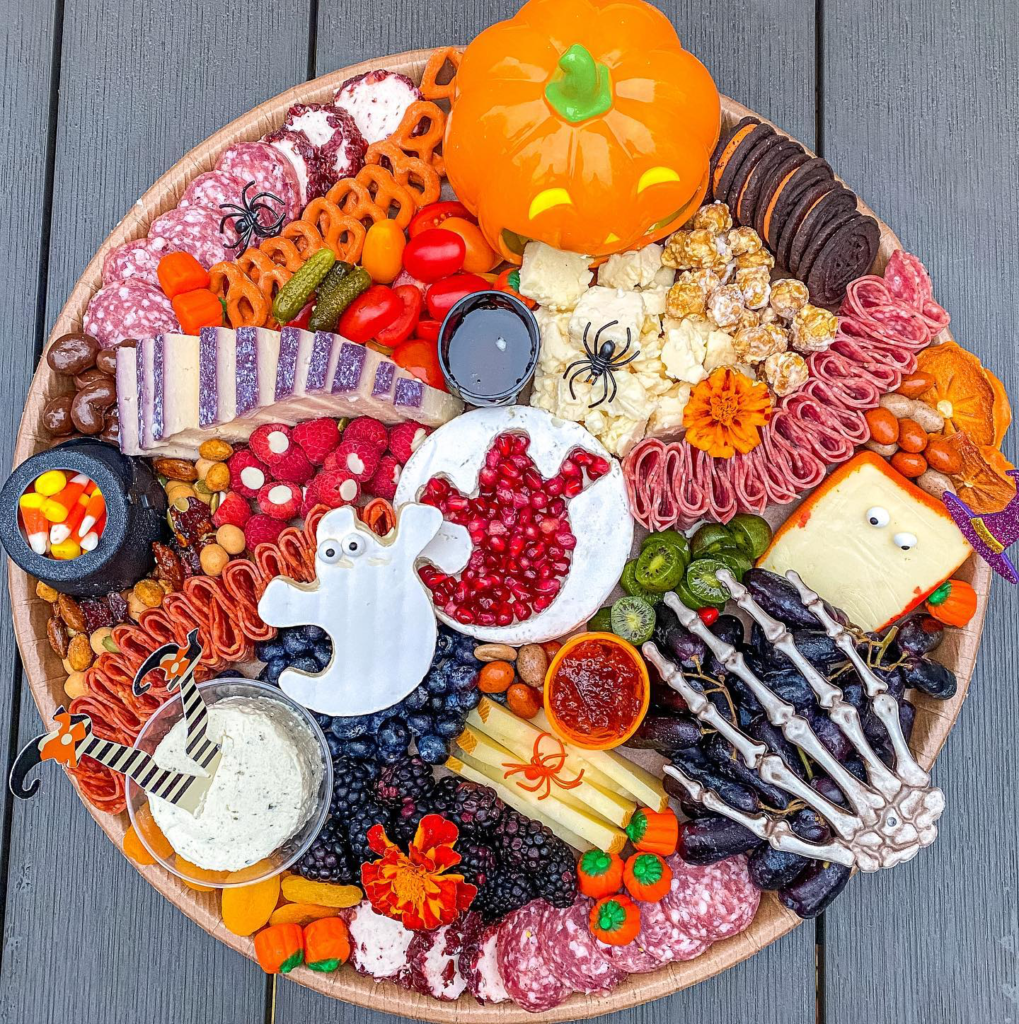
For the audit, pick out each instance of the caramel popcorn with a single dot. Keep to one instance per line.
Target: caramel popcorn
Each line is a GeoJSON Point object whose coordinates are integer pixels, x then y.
{"type": "Point", "coordinates": [768, 315]}
{"type": "Point", "coordinates": [780, 334]}
{"type": "Point", "coordinates": [813, 329]}
{"type": "Point", "coordinates": [757, 258]}
{"type": "Point", "coordinates": [788, 297]}
{"type": "Point", "coordinates": [675, 250]}
{"type": "Point", "coordinates": [685, 298]}
{"type": "Point", "coordinates": [785, 372]}
{"type": "Point", "coordinates": [744, 240]}
{"type": "Point", "coordinates": [725, 306]}
{"type": "Point", "coordinates": [755, 284]}
{"type": "Point", "coordinates": [748, 318]}
{"type": "Point", "coordinates": [755, 344]}
{"type": "Point", "coordinates": [715, 217]}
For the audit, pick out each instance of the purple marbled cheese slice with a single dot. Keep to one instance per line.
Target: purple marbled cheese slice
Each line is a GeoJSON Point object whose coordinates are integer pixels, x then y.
{"type": "Point", "coordinates": [247, 369]}
{"type": "Point", "coordinates": [208, 376]}
{"type": "Point", "coordinates": [156, 383]}
{"type": "Point", "coordinates": [127, 400]}
{"type": "Point", "coordinates": [409, 393]}
{"type": "Point", "coordinates": [385, 374]}
{"type": "Point", "coordinates": [318, 368]}
{"type": "Point", "coordinates": [349, 368]}
{"type": "Point", "coordinates": [296, 350]}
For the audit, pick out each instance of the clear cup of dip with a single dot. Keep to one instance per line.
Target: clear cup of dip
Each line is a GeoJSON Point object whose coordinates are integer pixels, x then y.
{"type": "Point", "coordinates": [254, 701]}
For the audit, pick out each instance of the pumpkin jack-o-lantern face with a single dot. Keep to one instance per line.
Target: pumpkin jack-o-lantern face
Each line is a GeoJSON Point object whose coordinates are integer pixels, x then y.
{"type": "Point", "coordinates": [583, 124]}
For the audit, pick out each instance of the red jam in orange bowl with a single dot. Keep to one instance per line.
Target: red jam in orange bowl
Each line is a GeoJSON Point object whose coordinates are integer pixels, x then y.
{"type": "Point", "coordinates": [596, 691]}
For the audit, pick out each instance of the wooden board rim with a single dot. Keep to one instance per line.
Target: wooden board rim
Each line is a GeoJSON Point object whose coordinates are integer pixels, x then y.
{"type": "Point", "coordinates": [934, 719]}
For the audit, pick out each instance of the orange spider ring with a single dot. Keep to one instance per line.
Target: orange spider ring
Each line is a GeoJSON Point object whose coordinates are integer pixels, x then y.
{"type": "Point", "coordinates": [543, 769]}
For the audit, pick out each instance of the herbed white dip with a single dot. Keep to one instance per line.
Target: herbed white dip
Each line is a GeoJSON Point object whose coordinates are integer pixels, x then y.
{"type": "Point", "coordinates": [263, 791]}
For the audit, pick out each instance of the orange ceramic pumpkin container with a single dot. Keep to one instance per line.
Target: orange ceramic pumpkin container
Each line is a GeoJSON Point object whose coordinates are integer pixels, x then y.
{"type": "Point", "coordinates": [583, 124]}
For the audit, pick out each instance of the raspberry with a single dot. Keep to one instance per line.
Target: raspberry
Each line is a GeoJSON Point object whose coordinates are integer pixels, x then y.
{"type": "Point", "coordinates": [365, 428]}
{"type": "Point", "coordinates": [383, 483]}
{"type": "Point", "coordinates": [248, 474]}
{"type": "Point", "coordinates": [281, 501]}
{"type": "Point", "coordinates": [261, 530]}
{"type": "Point", "coordinates": [271, 442]}
{"type": "Point", "coordinates": [404, 439]}
{"type": "Point", "coordinates": [233, 510]}
{"type": "Point", "coordinates": [334, 488]}
{"type": "Point", "coordinates": [317, 438]}
{"type": "Point", "coordinates": [358, 459]}
{"type": "Point", "coordinates": [293, 468]}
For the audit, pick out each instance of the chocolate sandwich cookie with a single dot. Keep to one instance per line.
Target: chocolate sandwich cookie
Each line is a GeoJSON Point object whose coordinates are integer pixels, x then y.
{"type": "Point", "coordinates": [733, 175]}
{"type": "Point", "coordinates": [848, 254]}
{"type": "Point", "coordinates": [757, 147]}
{"type": "Point", "coordinates": [834, 205]}
{"type": "Point", "coordinates": [721, 159]}
{"type": "Point", "coordinates": [818, 238]}
{"type": "Point", "coordinates": [744, 208]}
{"type": "Point", "coordinates": [810, 196]}
{"type": "Point", "coordinates": [775, 203]}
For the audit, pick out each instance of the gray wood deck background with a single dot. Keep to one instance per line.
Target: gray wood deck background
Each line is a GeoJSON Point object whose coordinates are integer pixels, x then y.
{"type": "Point", "coordinates": [914, 102]}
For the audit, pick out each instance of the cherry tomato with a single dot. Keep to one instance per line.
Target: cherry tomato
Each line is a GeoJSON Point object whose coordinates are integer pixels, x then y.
{"type": "Point", "coordinates": [481, 257]}
{"type": "Point", "coordinates": [509, 281]}
{"type": "Point", "coordinates": [434, 254]}
{"type": "Point", "coordinates": [444, 294]}
{"type": "Point", "coordinates": [709, 616]}
{"type": "Point", "coordinates": [371, 312]}
{"type": "Point", "coordinates": [420, 358]}
{"type": "Point", "coordinates": [382, 255]}
{"type": "Point", "coordinates": [434, 214]}
{"type": "Point", "coordinates": [302, 318]}
{"type": "Point", "coordinates": [403, 326]}
{"type": "Point", "coordinates": [428, 330]}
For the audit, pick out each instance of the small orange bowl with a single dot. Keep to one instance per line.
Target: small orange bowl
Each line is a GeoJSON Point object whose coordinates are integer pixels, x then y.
{"type": "Point", "coordinates": [571, 735]}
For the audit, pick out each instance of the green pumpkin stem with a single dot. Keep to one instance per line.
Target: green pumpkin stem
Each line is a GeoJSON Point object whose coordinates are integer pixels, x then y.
{"type": "Point", "coordinates": [580, 88]}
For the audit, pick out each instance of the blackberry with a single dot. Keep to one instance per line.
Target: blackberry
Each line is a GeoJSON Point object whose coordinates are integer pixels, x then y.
{"type": "Point", "coordinates": [357, 825]}
{"type": "Point", "coordinates": [501, 895]}
{"type": "Point", "coordinates": [329, 859]}
{"type": "Point", "coordinates": [442, 799]}
{"type": "Point", "coordinates": [404, 821]}
{"type": "Point", "coordinates": [353, 785]}
{"type": "Point", "coordinates": [556, 879]}
{"type": "Point", "coordinates": [478, 808]}
{"type": "Point", "coordinates": [478, 863]}
{"type": "Point", "coordinates": [522, 843]}
{"type": "Point", "coordinates": [409, 778]}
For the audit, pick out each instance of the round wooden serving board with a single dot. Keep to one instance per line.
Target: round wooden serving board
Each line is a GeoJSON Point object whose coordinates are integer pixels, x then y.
{"type": "Point", "coordinates": [45, 675]}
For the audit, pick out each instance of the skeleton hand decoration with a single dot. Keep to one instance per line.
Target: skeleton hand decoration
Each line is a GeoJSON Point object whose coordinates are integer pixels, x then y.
{"type": "Point", "coordinates": [887, 819]}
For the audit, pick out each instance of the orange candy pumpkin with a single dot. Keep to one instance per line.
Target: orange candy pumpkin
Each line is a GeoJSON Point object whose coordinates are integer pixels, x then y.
{"type": "Point", "coordinates": [583, 124]}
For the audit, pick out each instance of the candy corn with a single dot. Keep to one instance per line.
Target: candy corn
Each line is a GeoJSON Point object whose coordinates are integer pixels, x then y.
{"type": "Point", "coordinates": [66, 550]}
{"type": "Point", "coordinates": [61, 531]}
{"type": "Point", "coordinates": [51, 482]}
{"type": "Point", "coordinates": [91, 539]}
{"type": "Point", "coordinates": [94, 511]}
{"type": "Point", "coordinates": [60, 504]}
{"type": "Point", "coordinates": [35, 523]}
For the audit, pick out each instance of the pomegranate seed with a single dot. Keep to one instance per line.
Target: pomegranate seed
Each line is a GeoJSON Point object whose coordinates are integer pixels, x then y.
{"type": "Point", "coordinates": [509, 518]}
{"type": "Point", "coordinates": [544, 571]}
{"type": "Point", "coordinates": [554, 487]}
{"type": "Point", "coordinates": [531, 532]}
{"type": "Point", "coordinates": [525, 562]}
{"type": "Point", "coordinates": [521, 610]}
{"type": "Point", "coordinates": [462, 590]}
{"type": "Point", "coordinates": [532, 479]}
{"type": "Point", "coordinates": [549, 526]}
{"type": "Point", "coordinates": [521, 593]}
{"type": "Point", "coordinates": [556, 507]}
{"type": "Point", "coordinates": [569, 469]}
{"type": "Point", "coordinates": [539, 499]}
{"type": "Point", "coordinates": [486, 619]}
{"type": "Point", "coordinates": [509, 471]}
{"type": "Point", "coordinates": [580, 457]}
{"type": "Point", "coordinates": [555, 552]}
{"type": "Point", "coordinates": [536, 550]}
{"type": "Point", "coordinates": [547, 587]}
{"type": "Point", "coordinates": [466, 617]}
{"type": "Point", "coordinates": [487, 478]}
{"type": "Point", "coordinates": [530, 575]}
{"type": "Point", "coordinates": [496, 528]}
{"type": "Point", "coordinates": [562, 568]}
{"type": "Point", "coordinates": [541, 603]}
{"type": "Point", "coordinates": [504, 442]}
{"type": "Point", "coordinates": [512, 565]}
{"type": "Point", "coordinates": [521, 442]}
{"type": "Point", "coordinates": [504, 495]}
{"type": "Point", "coordinates": [521, 499]}
{"type": "Point", "coordinates": [504, 618]}
{"type": "Point", "coordinates": [565, 539]}
{"type": "Point", "coordinates": [492, 459]}
{"type": "Point", "coordinates": [516, 545]}
{"type": "Point", "coordinates": [573, 487]}
{"type": "Point", "coordinates": [599, 467]}
{"type": "Point", "coordinates": [497, 544]}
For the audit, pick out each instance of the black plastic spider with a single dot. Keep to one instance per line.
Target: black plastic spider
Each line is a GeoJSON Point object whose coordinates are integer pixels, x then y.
{"type": "Point", "coordinates": [601, 364]}
{"type": "Point", "coordinates": [246, 219]}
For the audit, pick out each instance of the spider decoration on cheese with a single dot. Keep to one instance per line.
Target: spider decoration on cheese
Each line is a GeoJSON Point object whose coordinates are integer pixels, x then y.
{"type": "Point", "coordinates": [600, 363]}
{"type": "Point", "coordinates": [247, 220]}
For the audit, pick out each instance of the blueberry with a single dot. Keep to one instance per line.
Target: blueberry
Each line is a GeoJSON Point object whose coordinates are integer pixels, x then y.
{"type": "Point", "coordinates": [325, 722]}
{"type": "Point", "coordinates": [269, 649]}
{"type": "Point", "coordinates": [391, 755]}
{"type": "Point", "coordinates": [419, 724]}
{"type": "Point", "coordinates": [393, 734]}
{"type": "Point", "coordinates": [416, 699]}
{"type": "Point", "coordinates": [312, 632]}
{"type": "Point", "coordinates": [305, 664]}
{"type": "Point", "coordinates": [465, 655]}
{"type": "Point", "coordinates": [432, 749]}
{"type": "Point", "coordinates": [499, 698]}
{"type": "Point", "coordinates": [363, 749]}
{"type": "Point", "coordinates": [347, 728]}
{"type": "Point", "coordinates": [294, 643]}
{"type": "Point", "coordinates": [438, 680]}
{"type": "Point", "coordinates": [471, 699]}
{"type": "Point", "coordinates": [273, 670]}
{"type": "Point", "coordinates": [444, 643]}
{"type": "Point", "coordinates": [448, 726]}
{"type": "Point", "coordinates": [462, 677]}
{"type": "Point", "coordinates": [335, 744]}
{"type": "Point", "coordinates": [437, 704]}
{"type": "Point", "coordinates": [322, 656]}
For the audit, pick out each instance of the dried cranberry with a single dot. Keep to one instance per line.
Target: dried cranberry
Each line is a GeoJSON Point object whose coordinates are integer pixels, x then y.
{"type": "Point", "coordinates": [97, 614]}
{"type": "Point", "coordinates": [191, 524]}
{"type": "Point", "coordinates": [118, 605]}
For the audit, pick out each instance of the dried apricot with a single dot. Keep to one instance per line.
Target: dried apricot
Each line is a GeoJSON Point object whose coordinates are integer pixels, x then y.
{"type": "Point", "coordinates": [246, 908]}
{"type": "Point", "coordinates": [193, 871]}
{"type": "Point", "coordinates": [325, 894]}
{"type": "Point", "coordinates": [523, 700]}
{"type": "Point", "coordinates": [496, 677]}
{"type": "Point", "coordinates": [884, 427]}
{"type": "Point", "coordinates": [912, 437]}
{"type": "Point", "coordinates": [301, 913]}
{"type": "Point", "coordinates": [152, 833]}
{"type": "Point", "coordinates": [134, 850]}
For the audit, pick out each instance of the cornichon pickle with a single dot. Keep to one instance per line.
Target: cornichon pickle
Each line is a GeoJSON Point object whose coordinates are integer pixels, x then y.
{"type": "Point", "coordinates": [335, 296]}
{"type": "Point", "coordinates": [295, 293]}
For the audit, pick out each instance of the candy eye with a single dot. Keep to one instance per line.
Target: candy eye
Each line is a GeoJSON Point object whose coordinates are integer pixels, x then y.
{"type": "Point", "coordinates": [906, 541]}
{"type": "Point", "coordinates": [878, 516]}
{"type": "Point", "coordinates": [329, 552]}
{"type": "Point", "coordinates": [353, 547]}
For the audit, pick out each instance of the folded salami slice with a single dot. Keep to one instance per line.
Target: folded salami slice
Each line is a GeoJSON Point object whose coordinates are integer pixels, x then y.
{"type": "Point", "coordinates": [135, 261]}
{"type": "Point", "coordinates": [747, 483]}
{"type": "Point", "coordinates": [715, 474]}
{"type": "Point", "coordinates": [128, 309]}
{"type": "Point", "coordinates": [802, 467]}
{"type": "Point", "coordinates": [573, 952]}
{"type": "Point", "coordinates": [820, 429]}
{"type": "Point", "coordinates": [692, 494]}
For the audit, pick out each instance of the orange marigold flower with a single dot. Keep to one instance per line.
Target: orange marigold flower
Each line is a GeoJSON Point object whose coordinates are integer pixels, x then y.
{"type": "Point", "coordinates": [724, 413]}
{"type": "Point", "coordinates": [416, 887]}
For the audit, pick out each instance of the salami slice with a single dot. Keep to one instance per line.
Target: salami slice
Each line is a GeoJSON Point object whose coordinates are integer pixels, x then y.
{"type": "Point", "coordinates": [479, 962]}
{"type": "Point", "coordinates": [212, 189]}
{"type": "Point", "coordinates": [377, 101]}
{"type": "Point", "coordinates": [128, 309]}
{"type": "Point", "coordinates": [338, 141]}
{"type": "Point", "coordinates": [195, 230]}
{"type": "Point", "coordinates": [573, 953]}
{"type": "Point", "coordinates": [631, 959]}
{"type": "Point", "coordinates": [712, 902]}
{"type": "Point", "coordinates": [664, 936]}
{"type": "Point", "coordinates": [268, 169]}
{"type": "Point", "coordinates": [135, 261]}
{"type": "Point", "coordinates": [523, 964]}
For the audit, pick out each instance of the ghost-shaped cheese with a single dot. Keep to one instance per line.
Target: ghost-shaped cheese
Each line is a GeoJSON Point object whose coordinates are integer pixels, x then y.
{"type": "Point", "coordinates": [368, 597]}
{"type": "Point", "coordinates": [869, 542]}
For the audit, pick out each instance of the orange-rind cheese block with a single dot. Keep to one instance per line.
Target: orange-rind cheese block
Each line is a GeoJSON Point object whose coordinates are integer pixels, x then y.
{"type": "Point", "coordinates": [869, 542]}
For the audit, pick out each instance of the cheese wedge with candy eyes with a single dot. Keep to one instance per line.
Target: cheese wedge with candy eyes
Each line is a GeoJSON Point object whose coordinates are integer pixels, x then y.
{"type": "Point", "coordinates": [869, 542]}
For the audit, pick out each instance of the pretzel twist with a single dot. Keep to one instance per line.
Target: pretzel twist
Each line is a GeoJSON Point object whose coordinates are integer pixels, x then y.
{"type": "Point", "coordinates": [385, 193]}
{"type": "Point", "coordinates": [425, 117]}
{"type": "Point", "coordinates": [340, 230]}
{"type": "Point", "coordinates": [246, 305]}
{"type": "Point", "coordinates": [430, 87]}
{"type": "Point", "coordinates": [414, 174]}
{"type": "Point", "coordinates": [283, 251]}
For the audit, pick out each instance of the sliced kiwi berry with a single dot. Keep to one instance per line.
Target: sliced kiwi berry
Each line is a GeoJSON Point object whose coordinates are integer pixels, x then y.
{"type": "Point", "coordinates": [685, 594]}
{"type": "Point", "coordinates": [751, 533]}
{"type": "Point", "coordinates": [709, 539]}
{"type": "Point", "coordinates": [628, 581]}
{"type": "Point", "coordinates": [633, 619]}
{"type": "Point", "coordinates": [601, 621]}
{"type": "Point", "coordinates": [737, 561]}
{"type": "Point", "coordinates": [673, 537]}
{"type": "Point", "coordinates": [660, 566]}
{"type": "Point", "coordinates": [702, 582]}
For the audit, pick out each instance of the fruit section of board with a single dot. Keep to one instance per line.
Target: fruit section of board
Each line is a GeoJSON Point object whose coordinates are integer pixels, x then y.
{"type": "Point", "coordinates": [303, 337]}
